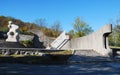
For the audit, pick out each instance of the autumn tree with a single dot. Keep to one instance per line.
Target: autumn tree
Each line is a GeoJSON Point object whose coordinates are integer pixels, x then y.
{"type": "Point", "coordinates": [3, 23]}
{"type": "Point", "coordinates": [39, 24]}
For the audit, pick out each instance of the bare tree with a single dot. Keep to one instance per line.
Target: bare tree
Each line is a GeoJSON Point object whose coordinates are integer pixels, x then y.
{"type": "Point", "coordinates": [56, 26]}
{"type": "Point", "coordinates": [40, 22]}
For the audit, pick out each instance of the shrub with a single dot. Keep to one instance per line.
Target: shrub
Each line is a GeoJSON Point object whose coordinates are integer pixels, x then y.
{"type": "Point", "coordinates": [27, 43]}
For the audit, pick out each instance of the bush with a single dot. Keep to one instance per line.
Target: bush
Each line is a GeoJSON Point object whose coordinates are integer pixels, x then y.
{"type": "Point", "coordinates": [27, 43]}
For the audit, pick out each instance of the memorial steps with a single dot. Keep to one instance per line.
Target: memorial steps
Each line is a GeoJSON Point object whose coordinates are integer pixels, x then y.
{"type": "Point", "coordinates": [60, 41]}
{"type": "Point", "coordinates": [62, 44]}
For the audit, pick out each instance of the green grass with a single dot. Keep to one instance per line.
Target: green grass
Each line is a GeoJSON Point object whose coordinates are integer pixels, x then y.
{"type": "Point", "coordinates": [51, 57]}
{"type": "Point", "coordinates": [115, 47]}
{"type": "Point", "coordinates": [63, 52]}
{"type": "Point", "coordinates": [56, 52]}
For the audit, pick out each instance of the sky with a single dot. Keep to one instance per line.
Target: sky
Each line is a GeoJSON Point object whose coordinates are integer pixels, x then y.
{"type": "Point", "coordinates": [95, 13]}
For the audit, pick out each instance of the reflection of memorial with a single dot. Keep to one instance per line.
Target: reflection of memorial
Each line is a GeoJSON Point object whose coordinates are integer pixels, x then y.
{"type": "Point", "coordinates": [13, 35]}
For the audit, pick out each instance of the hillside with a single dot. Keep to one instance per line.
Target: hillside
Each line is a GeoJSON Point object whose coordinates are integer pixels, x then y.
{"type": "Point", "coordinates": [25, 26]}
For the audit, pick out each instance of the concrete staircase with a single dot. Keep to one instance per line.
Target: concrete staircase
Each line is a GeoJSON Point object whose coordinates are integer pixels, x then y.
{"type": "Point", "coordinates": [59, 42]}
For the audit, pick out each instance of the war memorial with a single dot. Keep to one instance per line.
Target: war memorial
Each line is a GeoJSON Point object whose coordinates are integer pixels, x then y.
{"type": "Point", "coordinates": [88, 54]}
{"type": "Point", "coordinates": [93, 46]}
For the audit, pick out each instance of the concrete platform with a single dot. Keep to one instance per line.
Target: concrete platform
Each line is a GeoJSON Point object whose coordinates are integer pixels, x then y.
{"type": "Point", "coordinates": [87, 56]}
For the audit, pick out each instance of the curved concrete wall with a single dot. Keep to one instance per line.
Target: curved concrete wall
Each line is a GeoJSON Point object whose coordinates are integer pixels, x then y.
{"type": "Point", "coordinates": [97, 41]}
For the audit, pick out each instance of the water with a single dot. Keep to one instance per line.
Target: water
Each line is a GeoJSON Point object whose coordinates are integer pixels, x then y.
{"type": "Point", "coordinates": [90, 68]}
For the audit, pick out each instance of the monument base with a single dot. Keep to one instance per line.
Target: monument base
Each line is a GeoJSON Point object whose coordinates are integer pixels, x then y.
{"type": "Point", "coordinates": [11, 40]}
{"type": "Point", "coordinates": [11, 45]}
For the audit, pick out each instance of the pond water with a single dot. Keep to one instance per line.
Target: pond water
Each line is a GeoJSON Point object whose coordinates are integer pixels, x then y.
{"type": "Point", "coordinates": [104, 68]}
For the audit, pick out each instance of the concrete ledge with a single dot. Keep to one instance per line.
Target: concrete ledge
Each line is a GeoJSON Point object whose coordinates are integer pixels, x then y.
{"type": "Point", "coordinates": [87, 56]}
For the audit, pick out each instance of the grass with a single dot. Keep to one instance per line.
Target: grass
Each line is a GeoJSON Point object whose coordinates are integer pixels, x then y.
{"type": "Point", "coordinates": [50, 57]}
{"type": "Point", "coordinates": [47, 52]}
{"type": "Point", "coordinates": [115, 47]}
{"type": "Point", "coordinates": [61, 52]}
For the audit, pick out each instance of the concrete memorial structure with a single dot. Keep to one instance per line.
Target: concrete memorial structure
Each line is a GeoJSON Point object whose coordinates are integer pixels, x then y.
{"type": "Point", "coordinates": [59, 41]}
{"type": "Point", "coordinates": [13, 35]}
{"type": "Point", "coordinates": [97, 41]}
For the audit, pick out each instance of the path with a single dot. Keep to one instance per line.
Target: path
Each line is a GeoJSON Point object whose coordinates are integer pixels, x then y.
{"type": "Point", "coordinates": [87, 55]}
{"type": "Point", "coordinates": [103, 68]}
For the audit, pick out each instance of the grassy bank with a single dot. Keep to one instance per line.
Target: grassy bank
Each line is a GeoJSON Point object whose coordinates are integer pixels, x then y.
{"type": "Point", "coordinates": [116, 47]}
{"type": "Point", "coordinates": [49, 57]}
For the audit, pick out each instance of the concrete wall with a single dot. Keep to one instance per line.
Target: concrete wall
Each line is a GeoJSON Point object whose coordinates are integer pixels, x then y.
{"type": "Point", "coordinates": [23, 37]}
{"type": "Point", "coordinates": [42, 37]}
{"type": "Point", "coordinates": [97, 41]}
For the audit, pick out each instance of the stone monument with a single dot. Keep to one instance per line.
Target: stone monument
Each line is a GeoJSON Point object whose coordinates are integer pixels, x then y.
{"type": "Point", "coordinates": [13, 33]}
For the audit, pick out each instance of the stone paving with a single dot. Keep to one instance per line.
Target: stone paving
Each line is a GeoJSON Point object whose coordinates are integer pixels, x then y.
{"type": "Point", "coordinates": [93, 68]}
{"type": "Point", "coordinates": [88, 63]}
{"type": "Point", "coordinates": [87, 55]}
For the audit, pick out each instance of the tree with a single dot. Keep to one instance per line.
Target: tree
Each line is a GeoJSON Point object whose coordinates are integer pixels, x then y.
{"type": "Point", "coordinates": [40, 22]}
{"type": "Point", "coordinates": [80, 28]}
{"type": "Point", "coordinates": [114, 38]}
{"type": "Point", "coordinates": [56, 27]}
{"type": "Point", "coordinates": [71, 33]}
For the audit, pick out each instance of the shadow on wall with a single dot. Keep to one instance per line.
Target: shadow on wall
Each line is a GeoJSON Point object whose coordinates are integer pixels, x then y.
{"type": "Point", "coordinates": [37, 43]}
